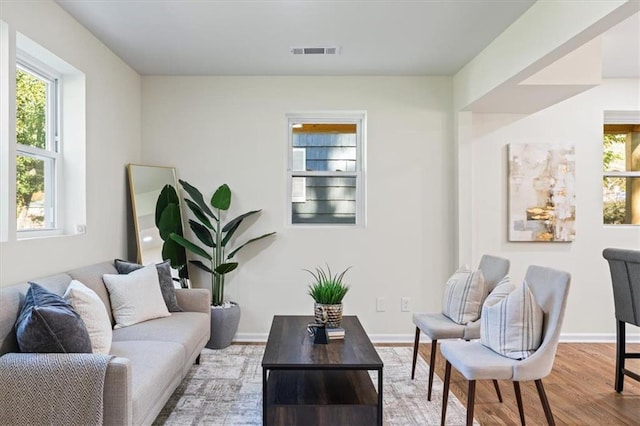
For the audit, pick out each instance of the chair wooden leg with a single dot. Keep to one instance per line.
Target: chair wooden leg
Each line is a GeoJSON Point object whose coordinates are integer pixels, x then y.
{"type": "Point", "coordinates": [545, 403]}
{"type": "Point", "coordinates": [445, 392]}
{"type": "Point", "coordinates": [416, 342]}
{"type": "Point", "coordinates": [516, 388]}
{"type": "Point", "coordinates": [432, 366]}
{"type": "Point", "coordinates": [470, 402]}
{"type": "Point", "coordinates": [497, 387]}
{"type": "Point", "coordinates": [620, 355]}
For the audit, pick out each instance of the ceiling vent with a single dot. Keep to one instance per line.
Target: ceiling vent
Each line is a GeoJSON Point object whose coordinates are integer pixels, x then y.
{"type": "Point", "coordinates": [333, 50]}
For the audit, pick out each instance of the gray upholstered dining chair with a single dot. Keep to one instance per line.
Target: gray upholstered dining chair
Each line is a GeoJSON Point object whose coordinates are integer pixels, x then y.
{"type": "Point", "coordinates": [625, 277]}
{"type": "Point", "coordinates": [475, 361]}
{"type": "Point", "coordinates": [437, 326]}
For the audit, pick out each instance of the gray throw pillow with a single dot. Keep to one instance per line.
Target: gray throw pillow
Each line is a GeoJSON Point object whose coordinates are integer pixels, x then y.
{"type": "Point", "coordinates": [164, 276]}
{"type": "Point", "coordinates": [47, 323]}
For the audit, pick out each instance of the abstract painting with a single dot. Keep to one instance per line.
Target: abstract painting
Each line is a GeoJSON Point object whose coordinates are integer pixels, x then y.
{"type": "Point", "coordinates": [541, 192]}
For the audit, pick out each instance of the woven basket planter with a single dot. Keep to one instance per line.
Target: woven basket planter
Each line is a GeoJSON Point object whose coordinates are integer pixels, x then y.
{"type": "Point", "coordinates": [332, 314]}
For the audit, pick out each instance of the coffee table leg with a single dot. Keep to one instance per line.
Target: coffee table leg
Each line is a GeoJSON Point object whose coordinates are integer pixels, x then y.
{"type": "Point", "coordinates": [264, 396]}
{"type": "Point", "coordinates": [380, 397]}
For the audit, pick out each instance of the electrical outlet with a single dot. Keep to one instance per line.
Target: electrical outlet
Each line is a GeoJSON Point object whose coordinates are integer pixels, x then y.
{"type": "Point", "coordinates": [404, 304]}
{"type": "Point", "coordinates": [380, 304]}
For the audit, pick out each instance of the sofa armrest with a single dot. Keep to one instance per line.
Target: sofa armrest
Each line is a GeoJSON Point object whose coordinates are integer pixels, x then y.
{"type": "Point", "coordinates": [194, 299]}
{"type": "Point", "coordinates": [118, 409]}
{"type": "Point", "coordinates": [28, 374]}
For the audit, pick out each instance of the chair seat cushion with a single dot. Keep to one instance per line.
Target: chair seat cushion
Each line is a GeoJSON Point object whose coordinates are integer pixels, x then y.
{"type": "Point", "coordinates": [477, 362]}
{"type": "Point", "coordinates": [437, 326]}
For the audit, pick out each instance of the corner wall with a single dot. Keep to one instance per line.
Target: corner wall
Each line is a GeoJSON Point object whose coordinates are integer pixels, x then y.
{"type": "Point", "coordinates": [233, 130]}
{"type": "Point", "coordinates": [112, 140]}
{"type": "Point", "coordinates": [578, 121]}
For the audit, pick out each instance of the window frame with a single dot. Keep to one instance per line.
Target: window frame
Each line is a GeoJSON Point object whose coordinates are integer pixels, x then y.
{"type": "Point", "coordinates": [52, 153]}
{"type": "Point", "coordinates": [613, 119]}
{"type": "Point", "coordinates": [339, 117]}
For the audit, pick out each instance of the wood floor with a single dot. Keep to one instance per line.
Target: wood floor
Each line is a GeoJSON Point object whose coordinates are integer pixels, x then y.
{"type": "Point", "coordinates": [580, 390]}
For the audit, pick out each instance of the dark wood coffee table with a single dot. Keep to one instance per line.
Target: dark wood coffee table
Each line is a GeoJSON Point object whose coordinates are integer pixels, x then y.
{"type": "Point", "coordinates": [307, 384]}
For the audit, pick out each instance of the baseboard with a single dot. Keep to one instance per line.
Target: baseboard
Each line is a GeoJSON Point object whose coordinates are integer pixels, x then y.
{"type": "Point", "coordinates": [250, 338]}
{"type": "Point", "coordinates": [408, 338]}
{"type": "Point", "coordinates": [596, 338]}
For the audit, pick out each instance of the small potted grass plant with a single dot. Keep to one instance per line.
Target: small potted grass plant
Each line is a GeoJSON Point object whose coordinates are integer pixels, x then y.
{"type": "Point", "coordinates": [328, 290]}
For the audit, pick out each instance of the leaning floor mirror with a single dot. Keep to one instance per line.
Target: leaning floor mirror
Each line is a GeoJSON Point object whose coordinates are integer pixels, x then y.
{"type": "Point", "coordinates": [145, 185]}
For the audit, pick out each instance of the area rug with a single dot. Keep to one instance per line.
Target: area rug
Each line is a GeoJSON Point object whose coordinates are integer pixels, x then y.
{"type": "Point", "coordinates": [226, 389]}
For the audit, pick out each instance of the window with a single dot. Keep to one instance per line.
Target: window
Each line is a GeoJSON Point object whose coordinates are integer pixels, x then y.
{"type": "Point", "coordinates": [42, 141]}
{"type": "Point", "coordinates": [37, 147]}
{"type": "Point", "coordinates": [621, 176]}
{"type": "Point", "coordinates": [326, 163]}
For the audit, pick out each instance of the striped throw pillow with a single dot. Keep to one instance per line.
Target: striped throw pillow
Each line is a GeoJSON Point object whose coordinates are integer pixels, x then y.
{"type": "Point", "coordinates": [511, 322]}
{"type": "Point", "coordinates": [463, 295]}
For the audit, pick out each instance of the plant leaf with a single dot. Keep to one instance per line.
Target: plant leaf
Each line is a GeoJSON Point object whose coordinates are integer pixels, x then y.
{"type": "Point", "coordinates": [175, 253]}
{"type": "Point", "coordinates": [221, 199]}
{"type": "Point", "coordinates": [197, 197]}
{"type": "Point", "coordinates": [201, 265]}
{"type": "Point", "coordinates": [167, 196]}
{"type": "Point", "coordinates": [233, 253]}
{"type": "Point", "coordinates": [239, 219]}
{"type": "Point", "coordinates": [201, 231]}
{"type": "Point", "coordinates": [224, 268]}
{"type": "Point", "coordinates": [197, 212]}
{"type": "Point", "coordinates": [231, 227]}
{"type": "Point", "coordinates": [170, 221]}
{"type": "Point", "coordinates": [189, 245]}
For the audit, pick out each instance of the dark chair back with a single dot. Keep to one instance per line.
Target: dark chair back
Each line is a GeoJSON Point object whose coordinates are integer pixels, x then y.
{"type": "Point", "coordinates": [625, 277]}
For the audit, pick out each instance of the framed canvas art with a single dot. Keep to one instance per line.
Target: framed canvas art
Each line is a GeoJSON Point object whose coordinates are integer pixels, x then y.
{"type": "Point", "coordinates": [541, 192]}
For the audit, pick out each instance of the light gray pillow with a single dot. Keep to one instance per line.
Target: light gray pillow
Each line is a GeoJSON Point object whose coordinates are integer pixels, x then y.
{"type": "Point", "coordinates": [135, 297]}
{"type": "Point", "coordinates": [164, 278]}
{"type": "Point", "coordinates": [511, 322]}
{"type": "Point", "coordinates": [94, 314]}
{"type": "Point", "coordinates": [464, 293]}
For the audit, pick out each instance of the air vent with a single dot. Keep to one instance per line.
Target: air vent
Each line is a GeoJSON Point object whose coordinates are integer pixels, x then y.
{"type": "Point", "coordinates": [334, 50]}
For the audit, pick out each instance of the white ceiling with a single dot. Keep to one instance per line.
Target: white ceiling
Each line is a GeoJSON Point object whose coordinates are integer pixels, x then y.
{"type": "Point", "coordinates": [376, 37]}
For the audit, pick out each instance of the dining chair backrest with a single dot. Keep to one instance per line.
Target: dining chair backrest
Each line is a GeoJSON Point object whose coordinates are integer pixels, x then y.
{"type": "Point", "coordinates": [550, 287]}
{"type": "Point", "coordinates": [493, 269]}
{"type": "Point", "coordinates": [625, 278]}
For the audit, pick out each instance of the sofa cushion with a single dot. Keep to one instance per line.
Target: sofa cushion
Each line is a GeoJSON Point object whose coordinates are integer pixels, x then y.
{"type": "Point", "coordinates": [135, 297]}
{"type": "Point", "coordinates": [188, 329]}
{"type": "Point", "coordinates": [464, 293]}
{"type": "Point", "coordinates": [164, 278]}
{"type": "Point", "coordinates": [94, 314]}
{"type": "Point", "coordinates": [47, 323]}
{"type": "Point", "coordinates": [156, 370]}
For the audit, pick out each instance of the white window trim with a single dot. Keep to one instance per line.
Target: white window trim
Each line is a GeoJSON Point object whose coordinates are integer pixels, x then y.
{"type": "Point", "coordinates": [330, 117]}
{"type": "Point", "coordinates": [53, 150]}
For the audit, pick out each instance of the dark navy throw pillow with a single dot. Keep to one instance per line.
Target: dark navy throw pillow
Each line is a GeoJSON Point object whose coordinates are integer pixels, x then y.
{"type": "Point", "coordinates": [47, 323]}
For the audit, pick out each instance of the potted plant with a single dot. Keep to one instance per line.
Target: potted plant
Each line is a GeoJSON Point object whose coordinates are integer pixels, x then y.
{"type": "Point", "coordinates": [327, 291]}
{"type": "Point", "coordinates": [215, 240]}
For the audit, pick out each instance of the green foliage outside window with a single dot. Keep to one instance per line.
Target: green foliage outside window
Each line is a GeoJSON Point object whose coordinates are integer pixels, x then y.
{"type": "Point", "coordinates": [31, 100]}
{"type": "Point", "coordinates": [614, 188]}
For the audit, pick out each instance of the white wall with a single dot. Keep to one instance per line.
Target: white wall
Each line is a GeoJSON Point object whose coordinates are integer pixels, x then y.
{"type": "Point", "coordinates": [112, 140]}
{"type": "Point", "coordinates": [575, 121]}
{"type": "Point", "coordinates": [233, 130]}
